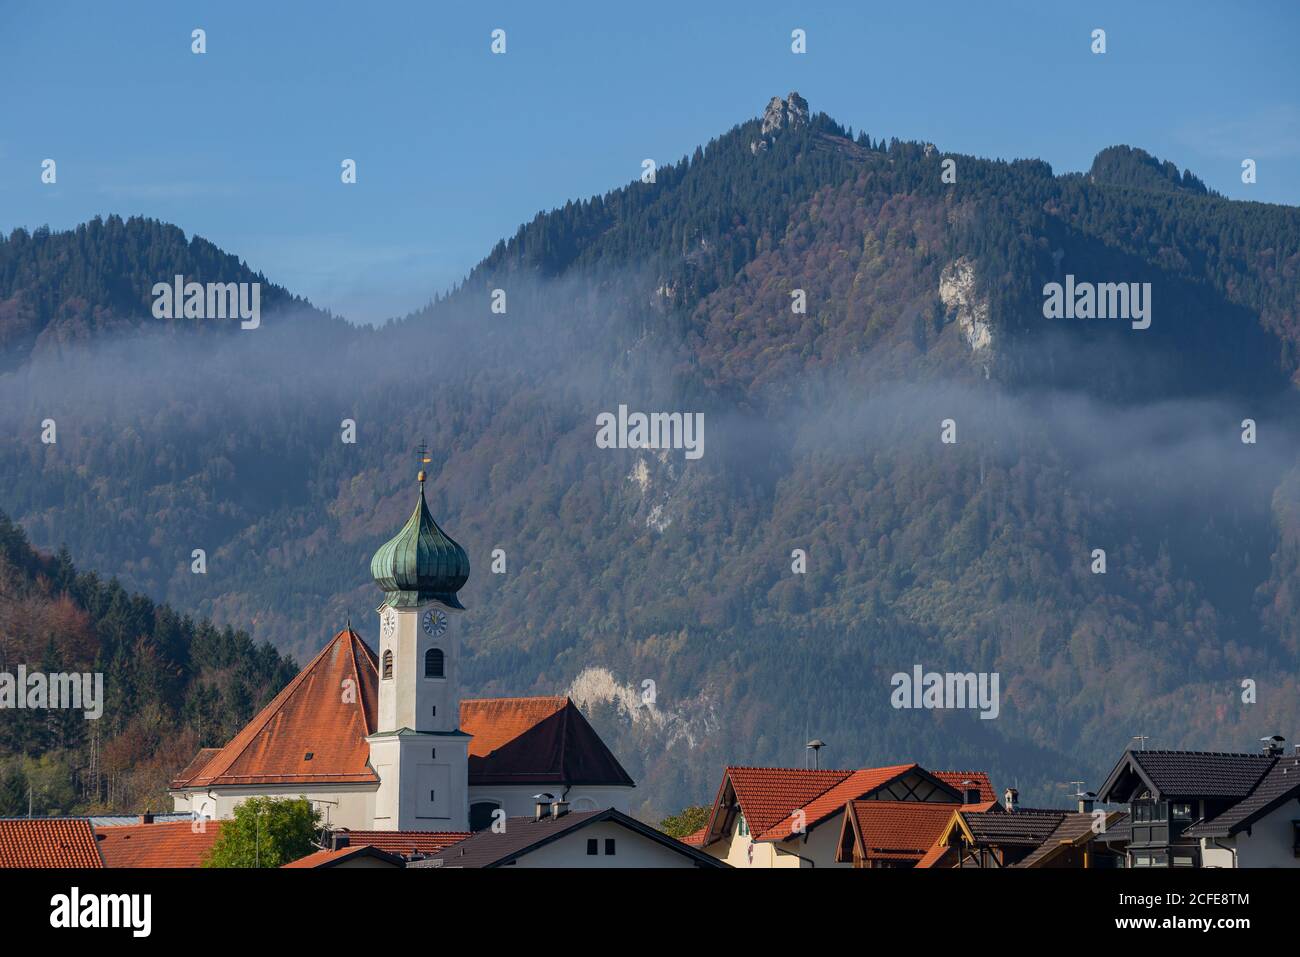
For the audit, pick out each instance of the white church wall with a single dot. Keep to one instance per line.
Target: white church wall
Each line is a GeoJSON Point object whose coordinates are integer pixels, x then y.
{"type": "Point", "coordinates": [351, 806]}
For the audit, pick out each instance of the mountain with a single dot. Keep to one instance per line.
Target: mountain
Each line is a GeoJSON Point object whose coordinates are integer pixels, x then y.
{"type": "Point", "coordinates": [631, 570]}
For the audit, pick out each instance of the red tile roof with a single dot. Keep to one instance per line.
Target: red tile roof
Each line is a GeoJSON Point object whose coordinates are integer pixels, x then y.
{"type": "Point", "coordinates": [954, 780]}
{"type": "Point", "coordinates": [163, 844]}
{"type": "Point", "coordinates": [48, 842]}
{"type": "Point", "coordinates": [898, 830]}
{"type": "Point", "coordinates": [536, 740]}
{"type": "Point", "coordinates": [335, 858]}
{"type": "Point", "coordinates": [770, 797]}
{"type": "Point", "coordinates": [767, 796]}
{"type": "Point", "coordinates": [832, 800]}
{"type": "Point", "coordinates": [330, 707]}
{"type": "Point", "coordinates": [325, 712]}
{"type": "Point", "coordinates": [405, 843]}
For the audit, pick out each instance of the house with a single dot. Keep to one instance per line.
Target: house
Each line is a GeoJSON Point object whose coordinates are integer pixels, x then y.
{"type": "Point", "coordinates": [557, 837]}
{"type": "Point", "coordinates": [1185, 805]}
{"type": "Point", "coordinates": [360, 856]}
{"type": "Point", "coordinates": [794, 817]}
{"type": "Point", "coordinates": [1262, 829]}
{"type": "Point", "coordinates": [48, 842]}
{"type": "Point", "coordinates": [158, 843]}
{"type": "Point", "coordinates": [993, 836]}
{"type": "Point", "coordinates": [381, 740]}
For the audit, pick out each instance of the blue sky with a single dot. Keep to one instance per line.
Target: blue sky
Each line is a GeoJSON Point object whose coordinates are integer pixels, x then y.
{"type": "Point", "coordinates": [455, 146]}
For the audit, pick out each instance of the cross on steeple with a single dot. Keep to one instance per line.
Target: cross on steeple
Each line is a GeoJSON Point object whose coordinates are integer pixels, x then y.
{"type": "Point", "coordinates": [423, 450]}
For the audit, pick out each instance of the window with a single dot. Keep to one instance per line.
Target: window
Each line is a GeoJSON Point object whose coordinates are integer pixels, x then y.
{"type": "Point", "coordinates": [609, 845]}
{"type": "Point", "coordinates": [742, 827]}
{"type": "Point", "coordinates": [433, 663]}
{"type": "Point", "coordinates": [432, 797]}
{"type": "Point", "coordinates": [388, 665]}
{"type": "Point", "coordinates": [435, 711]}
{"type": "Point", "coordinates": [481, 814]}
{"type": "Point", "coordinates": [433, 753]}
{"type": "Point", "coordinates": [1182, 812]}
{"type": "Point", "coordinates": [592, 846]}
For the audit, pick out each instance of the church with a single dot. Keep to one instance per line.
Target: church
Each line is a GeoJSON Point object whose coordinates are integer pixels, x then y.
{"type": "Point", "coordinates": [384, 742]}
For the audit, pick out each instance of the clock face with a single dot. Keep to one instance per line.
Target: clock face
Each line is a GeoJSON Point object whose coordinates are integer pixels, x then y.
{"type": "Point", "coordinates": [435, 623]}
{"type": "Point", "coordinates": [389, 623]}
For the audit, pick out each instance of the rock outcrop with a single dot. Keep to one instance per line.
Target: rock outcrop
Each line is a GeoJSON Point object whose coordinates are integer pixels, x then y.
{"type": "Point", "coordinates": [961, 300]}
{"type": "Point", "coordinates": [788, 114]}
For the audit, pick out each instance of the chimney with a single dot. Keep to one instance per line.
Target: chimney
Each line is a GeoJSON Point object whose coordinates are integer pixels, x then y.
{"type": "Point", "coordinates": [1086, 799]}
{"type": "Point", "coordinates": [1009, 799]}
{"type": "Point", "coordinates": [559, 808]}
{"type": "Point", "coordinates": [146, 817]}
{"type": "Point", "coordinates": [1273, 746]}
{"type": "Point", "coordinates": [542, 805]}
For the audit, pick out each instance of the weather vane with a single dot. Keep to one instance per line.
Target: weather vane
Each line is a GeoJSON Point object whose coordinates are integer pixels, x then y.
{"type": "Point", "coordinates": [423, 449]}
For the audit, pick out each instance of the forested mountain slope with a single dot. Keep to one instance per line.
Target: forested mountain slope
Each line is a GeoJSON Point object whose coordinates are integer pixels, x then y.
{"type": "Point", "coordinates": [924, 303]}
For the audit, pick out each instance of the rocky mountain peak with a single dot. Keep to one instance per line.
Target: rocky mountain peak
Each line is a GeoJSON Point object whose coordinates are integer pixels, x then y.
{"type": "Point", "coordinates": [790, 113]}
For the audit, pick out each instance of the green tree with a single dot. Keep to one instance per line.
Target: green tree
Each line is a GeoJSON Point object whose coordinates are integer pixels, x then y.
{"type": "Point", "coordinates": [266, 832]}
{"type": "Point", "coordinates": [691, 819]}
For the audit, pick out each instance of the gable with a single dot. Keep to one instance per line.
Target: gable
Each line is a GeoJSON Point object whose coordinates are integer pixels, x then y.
{"type": "Point", "coordinates": [312, 732]}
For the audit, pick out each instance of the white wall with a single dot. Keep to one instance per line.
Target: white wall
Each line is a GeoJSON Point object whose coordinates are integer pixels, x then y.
{"type": "Point", "coordinates": [350, 806]}
{"type": "Point", "coordinates": [630, 850]}
{"type": "Point", "coordinates": [1269, 843]}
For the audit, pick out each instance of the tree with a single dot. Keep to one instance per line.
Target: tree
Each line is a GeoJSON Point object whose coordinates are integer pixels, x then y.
{"type": "Point", "coordinates": [266, 832]}
{"type": "Point", "coordinates": [689, 821]}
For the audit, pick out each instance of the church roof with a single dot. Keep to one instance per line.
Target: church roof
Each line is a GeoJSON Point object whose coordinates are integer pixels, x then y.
{"type": "Point", "coordinates": [536, 740]}
{"type": "Point", "coordinates": [331, 706]}
{"type": "Point", "coordinates": [420, 562]}
{"type": "Point", "coordinates": [312, 732]}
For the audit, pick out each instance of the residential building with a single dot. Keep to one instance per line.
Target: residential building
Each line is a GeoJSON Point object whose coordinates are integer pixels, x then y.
{"type": "Point", "coordinates": [793, 817]}
{"type": "Point", "coordinates": [1170, 792]}
{"type": "Point", "coordinates": [557, 837]}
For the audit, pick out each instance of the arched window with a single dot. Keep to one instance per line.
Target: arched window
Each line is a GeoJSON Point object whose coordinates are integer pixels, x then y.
{"type": "Point", "coordinates": [433, 663]}
{"type": "Point", "coordinates": [480, 814]}
{"type": "Point", "coordinates": [388, 665]}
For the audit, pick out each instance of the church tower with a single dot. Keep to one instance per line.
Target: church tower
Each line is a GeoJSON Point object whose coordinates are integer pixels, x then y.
{"type": "Point", "coordinates": [418, 749]}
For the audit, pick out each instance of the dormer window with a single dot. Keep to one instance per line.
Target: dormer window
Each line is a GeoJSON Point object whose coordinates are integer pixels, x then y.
{"type": "Point", "coordinates": [388, 665]}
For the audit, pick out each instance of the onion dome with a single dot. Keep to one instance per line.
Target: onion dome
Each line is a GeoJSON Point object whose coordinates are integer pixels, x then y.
{"type": "Point", "coordinates": [421, 562]}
